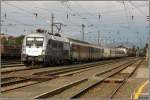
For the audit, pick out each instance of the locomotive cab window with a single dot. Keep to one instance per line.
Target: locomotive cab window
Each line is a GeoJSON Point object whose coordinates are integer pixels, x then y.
{"type": "Point", "coordinates": [29, 41]}
{"type": "Point", "coordinates": [39, 41]}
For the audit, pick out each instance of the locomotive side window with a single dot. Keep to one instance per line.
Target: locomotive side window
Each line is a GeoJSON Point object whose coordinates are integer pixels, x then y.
{"type": "Point", "coordinates": [59, 45]}
{"type": "Point", "coordinates": [54, 44]}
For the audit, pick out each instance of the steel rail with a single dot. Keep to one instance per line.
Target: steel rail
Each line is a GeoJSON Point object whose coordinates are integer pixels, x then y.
{"type": "Point", "coordinates": [49, 94]}
{"type": "Point", "coordinates": [101, 80]}
{"type": "Point", "coordinates": [125, 80]}
{"type": "Point", "coordinates": [52, 75]}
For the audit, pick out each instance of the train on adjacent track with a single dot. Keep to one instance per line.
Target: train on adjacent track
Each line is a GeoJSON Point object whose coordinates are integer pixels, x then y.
{"type": "Point", "coordinates": [43, 47]}
{"type": "Point", "coordinates": [10, 51]}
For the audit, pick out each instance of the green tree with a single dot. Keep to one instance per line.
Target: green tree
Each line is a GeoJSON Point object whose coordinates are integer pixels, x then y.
{"type": "Point", "coordinates": [8, 42]}
{"type": "Point", "coordinates": [19, 39]}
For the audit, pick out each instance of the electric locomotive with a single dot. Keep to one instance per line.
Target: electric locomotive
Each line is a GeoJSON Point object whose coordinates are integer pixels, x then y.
{"type": "Point", "coordinates": [43, 47]}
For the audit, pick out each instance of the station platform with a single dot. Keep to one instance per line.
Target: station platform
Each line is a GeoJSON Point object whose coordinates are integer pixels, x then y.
{"type": "Point", "coordinates": [142, 90]}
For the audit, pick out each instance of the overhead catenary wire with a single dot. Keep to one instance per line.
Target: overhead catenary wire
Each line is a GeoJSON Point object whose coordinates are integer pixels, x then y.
{"type": "Point", "coordinates": [27, 11]}
{"type": "Point", "coordinates": [75, 12]}
{"type": "Point", "coordinates": [73, 24]}
{"type": "Point", "coordinates": [130, 13]}
{"type": "Point", "coordinates": [68, 21]}
{"type": "Point", "coordinates": [24, 10]}
{"type": "Point", "coordinates": [139, 10]}
{"type": "Point", "coordinates": [19, 22]}
{"type": "Point", "coordinates": [126, 13]}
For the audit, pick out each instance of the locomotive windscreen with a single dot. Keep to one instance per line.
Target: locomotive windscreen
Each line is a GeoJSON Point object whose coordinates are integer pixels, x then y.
{"type": "Point", "coordinates": [37, 41]}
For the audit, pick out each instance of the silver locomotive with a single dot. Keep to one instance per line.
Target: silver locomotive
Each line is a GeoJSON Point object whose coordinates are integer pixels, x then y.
{"type": "Point", "coordinates": [43, 47]}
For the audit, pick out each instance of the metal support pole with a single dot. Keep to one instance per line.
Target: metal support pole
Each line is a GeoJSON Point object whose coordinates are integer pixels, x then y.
{"type": "Point", "coordinates": [83, 26]}
{"type": "Point", "coordinates": [98, 38]}
{"type": "Point", "coordinates": [149, 45]}
{"type": "Point", "coordinates": [52, 24]}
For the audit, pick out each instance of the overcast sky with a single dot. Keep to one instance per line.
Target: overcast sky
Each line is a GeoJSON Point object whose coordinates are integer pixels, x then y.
{"type": "Point", "coordinates": [116, 21]}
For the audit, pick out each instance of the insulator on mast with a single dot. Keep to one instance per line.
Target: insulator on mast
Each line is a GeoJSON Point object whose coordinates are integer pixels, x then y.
{"type": "Point", "coordinates": [67, 16]}
{"type": "Point", "coordinates": [132, 17]}
{"type": "Point", "coordinates": [99, 16]}
{"type": "Point", "coordinates": [5, 15]}
{"type": "Point", "coordinates": [35, 14]}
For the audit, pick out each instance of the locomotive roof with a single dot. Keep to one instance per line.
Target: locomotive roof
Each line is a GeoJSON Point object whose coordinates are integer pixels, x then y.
{"type": "Point", "coordinates": [64, 39]}
{"type": "Point", "coordinates": [34, 34]}
{"type": "Point", "coordinates": [53, 37]}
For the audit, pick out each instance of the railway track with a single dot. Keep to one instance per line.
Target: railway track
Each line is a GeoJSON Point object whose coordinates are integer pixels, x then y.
{"type": "Point", "coordinates": [12, 63]}
{"type": "Point", "coordinates": [24, 68]}
{"type": "Point", "coordinates": [5, 61]}
{"type": "Point", "coordinates": [9, 83]}
{"type": "Point", "coordinates": [21, 67]}
{"type": "Point", "coordinates": [121, 83]}
{"type": "Point", "coordinates": [11, 66]}
{"type": "Point", "coordinates": [76, 90]}
{"type": "Point", "coordinates": [13, 69]}
{"type": "Point", "coordinates": [125, 80]}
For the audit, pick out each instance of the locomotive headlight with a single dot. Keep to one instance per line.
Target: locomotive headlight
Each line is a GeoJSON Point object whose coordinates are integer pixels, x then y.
{"type": "Point", "coordinates": [43, 52]}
